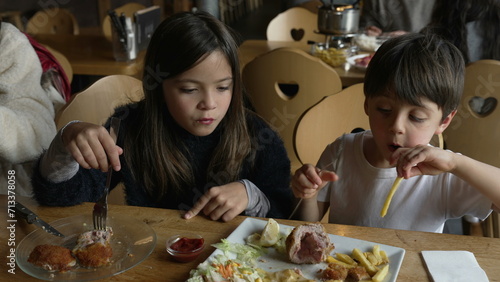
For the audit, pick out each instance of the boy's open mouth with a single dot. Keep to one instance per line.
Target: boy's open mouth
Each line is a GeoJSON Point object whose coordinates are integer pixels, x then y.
{"type": "Point", "coordinates": [394, 147]}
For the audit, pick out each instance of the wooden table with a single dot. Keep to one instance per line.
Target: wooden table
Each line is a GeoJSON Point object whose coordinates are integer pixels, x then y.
{"type": "Point", "coordinates": [91, 54]}
{"type": "Point", "coordinates": [250, 49]}
{"type": "Point", "coordinates": [159, 266]}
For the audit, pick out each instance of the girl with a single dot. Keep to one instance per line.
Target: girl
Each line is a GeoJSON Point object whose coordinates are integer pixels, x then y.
{"type": "Point", "coordinates": [189, 145]}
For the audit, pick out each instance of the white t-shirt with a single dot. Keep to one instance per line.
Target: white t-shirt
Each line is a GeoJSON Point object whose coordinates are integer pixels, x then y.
{"type": "Point", "coordinates": [421, 203]}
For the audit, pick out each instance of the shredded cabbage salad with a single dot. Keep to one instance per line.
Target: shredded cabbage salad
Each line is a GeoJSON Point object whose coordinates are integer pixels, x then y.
{"type": "Point", "coordinates": [238, 262]}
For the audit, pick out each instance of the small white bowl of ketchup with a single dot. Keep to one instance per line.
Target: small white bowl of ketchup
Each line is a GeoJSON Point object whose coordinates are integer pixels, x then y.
{"type": "Point", "coordinates": [185, 247]}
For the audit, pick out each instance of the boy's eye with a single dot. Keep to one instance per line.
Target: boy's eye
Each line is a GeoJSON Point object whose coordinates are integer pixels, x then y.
{"type": "Point", "coordinates": [417, 119]}
{"type": "Point", "coordinates": [383, 110]}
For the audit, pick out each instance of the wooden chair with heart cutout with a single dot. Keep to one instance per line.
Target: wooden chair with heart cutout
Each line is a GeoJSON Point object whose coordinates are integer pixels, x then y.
{"type": "Point", "coordinates": [282, 84]}
{"type": "Point", "coordinates": [295, 24]}
{"type": "Point", "coordinates": [475, 130]}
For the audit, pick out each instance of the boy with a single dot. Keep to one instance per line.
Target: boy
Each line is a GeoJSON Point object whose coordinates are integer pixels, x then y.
{"type": "Point", "coordinates": [413, 86]}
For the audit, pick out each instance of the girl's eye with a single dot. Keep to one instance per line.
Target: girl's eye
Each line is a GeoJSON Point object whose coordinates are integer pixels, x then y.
{"type": "Point", "coordinates": [188, 90]}
{"type": "Point", "coordinates": [223, 88]}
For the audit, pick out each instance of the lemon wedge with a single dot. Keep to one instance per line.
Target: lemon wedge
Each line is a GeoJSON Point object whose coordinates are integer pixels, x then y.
{"type": "Point", "coordinates": [270, 234]}
{"type": "Point", "coordinates": [254, 239]}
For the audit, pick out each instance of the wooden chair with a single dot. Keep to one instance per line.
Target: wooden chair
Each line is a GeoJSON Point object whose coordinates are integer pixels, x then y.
{"type": "Point", "coordinates": [53, 21]}
{"type": "Point", "coordinates": [97, 103]}
{"type": "Point", "coordinates": [128, 9]}
{"type": "Point", "coordinates": [475, 130]}
{"type": "Point", "coordinates": [285, 82]}
{"type": "Point", "coordinates": [294, 24]}
{"type": "Point", "coordinates": [324, 122]}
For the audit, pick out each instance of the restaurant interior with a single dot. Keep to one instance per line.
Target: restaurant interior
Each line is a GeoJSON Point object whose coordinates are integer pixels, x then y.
{"type": "Point", "coordinates": [87, 42]}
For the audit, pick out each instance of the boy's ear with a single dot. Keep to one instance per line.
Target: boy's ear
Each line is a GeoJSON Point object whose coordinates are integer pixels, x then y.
{"type": "Point", "coordinates": [446, 122]}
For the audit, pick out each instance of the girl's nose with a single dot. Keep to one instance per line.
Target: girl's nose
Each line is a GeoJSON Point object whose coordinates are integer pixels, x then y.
{"type": "Point", "coordinates": [208, 102]}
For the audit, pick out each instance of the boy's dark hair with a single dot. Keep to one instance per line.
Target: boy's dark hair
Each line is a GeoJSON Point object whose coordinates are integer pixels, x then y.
{"type": "Point", "coordinates": [415, 66]}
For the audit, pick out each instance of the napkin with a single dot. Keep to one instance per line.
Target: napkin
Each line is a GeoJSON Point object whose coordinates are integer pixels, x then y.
{"type": "Point", "coordinates": [453, 266]}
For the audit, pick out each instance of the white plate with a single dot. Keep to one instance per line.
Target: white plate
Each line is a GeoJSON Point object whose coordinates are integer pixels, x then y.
{"type": "Point", "coordinates": [352, 61]}
{"type": "Point", "coordinates": [274, 261]}
{"type": "Point", "coordinates": [132, 242]}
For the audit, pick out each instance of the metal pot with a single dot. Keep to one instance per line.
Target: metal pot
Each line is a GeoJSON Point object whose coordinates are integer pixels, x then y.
{"type": "Point", "coordinates": [338, 20]}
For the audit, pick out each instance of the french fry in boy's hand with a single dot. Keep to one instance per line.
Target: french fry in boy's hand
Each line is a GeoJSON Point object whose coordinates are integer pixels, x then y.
{"type": "Point", "coordinates": [359, 256]}
{"type": "Point", "coordinates": [381, 274]}
{"type": "Point", "coordinates": [330, 259]}
{"type": "Point", "coordinates": [394, 187]}
{"type": "Point", "coordinates": [346, 258]}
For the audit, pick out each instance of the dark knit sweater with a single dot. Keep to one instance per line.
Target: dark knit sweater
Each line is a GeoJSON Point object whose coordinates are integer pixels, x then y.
{"type": "Point", "coordinates": [271, 174]}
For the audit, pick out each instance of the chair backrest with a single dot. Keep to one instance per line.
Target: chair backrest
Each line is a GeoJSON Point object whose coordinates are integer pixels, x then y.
{"type": "Point", "coordinates": [475, 130]}
{"type": "Point", "coordinates": [53, 21]}
{"type": "Point", "coordinates": [285, 82]}
{"type": "Point", "coordinates": [128, 9]}
{"type": "Point", "coordinates": [312, 5]}
{"type": "Point", "coordinates": [294, 24]}
{"type": "Point", "coordinates": [324, 122]}
{"type": "Point", "coordinates": [97, 103]}
{"type": "Point", "coordinates": [476, 125]}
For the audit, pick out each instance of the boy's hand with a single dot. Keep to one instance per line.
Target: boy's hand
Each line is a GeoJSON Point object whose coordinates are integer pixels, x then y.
{"type": "Point", "coordinates": [92, 146]}
{"type": "Point", "coordinates": [422, 160]}
{"type": "Point", "coordinates": [221, 202]}
{"type": "Point", "coordinates": [308, 180]}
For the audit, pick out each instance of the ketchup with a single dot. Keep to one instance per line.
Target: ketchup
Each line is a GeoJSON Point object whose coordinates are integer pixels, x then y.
{"type": "Point", "coordinates": [185, 245]}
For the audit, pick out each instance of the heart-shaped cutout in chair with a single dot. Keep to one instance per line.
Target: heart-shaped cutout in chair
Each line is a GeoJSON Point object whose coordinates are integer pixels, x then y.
{"type": "Point", "coordinates": [483, 107]}
{"type": "Point", "coordinates": [297, 34]}
{"type": "Point", "coordinates": [288, 90]}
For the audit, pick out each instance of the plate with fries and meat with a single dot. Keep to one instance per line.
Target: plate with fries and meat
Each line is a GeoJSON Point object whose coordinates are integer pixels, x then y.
{"type": "Point", "coordinates": [260, 250]}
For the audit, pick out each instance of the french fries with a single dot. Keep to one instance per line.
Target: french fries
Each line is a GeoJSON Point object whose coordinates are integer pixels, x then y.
{"type": "Point", "coordinates": [331, 259]}
{"type": "Point", "coordinates": [394, 187]}
{"type": "Point", "coordinates": [381, 274]}
{"type": "Point", "coordinates": [360, 256]}
{"type": "Point", "coordinates": [375, 262]}
{"type": "Point", "coordinates": [346, 258]}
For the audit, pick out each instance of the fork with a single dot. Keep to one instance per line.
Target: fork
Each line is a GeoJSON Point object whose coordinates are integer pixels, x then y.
{"type": "Point", "coordinates": [100, 212]}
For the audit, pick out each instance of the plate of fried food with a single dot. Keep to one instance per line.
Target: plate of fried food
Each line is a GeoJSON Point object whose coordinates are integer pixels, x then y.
{"type": "Point", "coordinates": [266, 250]}
{"type": "Point", "coordinates": [85, 253]}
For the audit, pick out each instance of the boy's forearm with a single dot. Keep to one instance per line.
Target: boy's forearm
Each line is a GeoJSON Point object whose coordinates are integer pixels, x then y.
{"type": "Point", "coordinates": [309, 210]}
{"type": "Point", "coordinates": [483, 177]}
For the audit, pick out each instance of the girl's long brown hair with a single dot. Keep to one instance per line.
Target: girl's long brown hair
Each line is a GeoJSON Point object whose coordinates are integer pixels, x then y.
{"type": "Point", "coordinates": [153, 149]}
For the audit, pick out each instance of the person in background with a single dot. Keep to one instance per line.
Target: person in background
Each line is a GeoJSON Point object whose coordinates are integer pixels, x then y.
{"type": "Point", "coordinates": [189, 145]}
{"type": "Point", "coordinates": [413, 86]}
{"type": "Point", "coordinates": [472, 26]}
{"type": "Point", "coordinates": [394, 17]}
{"type": "Point", "coordinates": [28, 103]}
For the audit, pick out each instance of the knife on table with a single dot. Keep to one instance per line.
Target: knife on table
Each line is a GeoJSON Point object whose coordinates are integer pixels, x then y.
{"type": "Point", "coordinates": [31, 217]}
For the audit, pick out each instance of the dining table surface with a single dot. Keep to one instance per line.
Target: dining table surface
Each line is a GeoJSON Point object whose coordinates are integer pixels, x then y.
{"type": "Point", "coordinates": [250, 49]}
{"type": "Point", "coordinates": [159, 266]}
{"type": "Point", "coordinates": [91, 54]}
